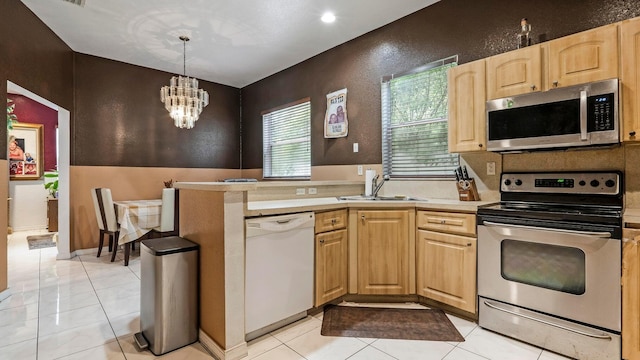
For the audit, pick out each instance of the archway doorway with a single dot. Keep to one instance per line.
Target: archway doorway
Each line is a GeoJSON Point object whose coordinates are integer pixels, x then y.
{"type": "Point", "coordinates": [64, 151]}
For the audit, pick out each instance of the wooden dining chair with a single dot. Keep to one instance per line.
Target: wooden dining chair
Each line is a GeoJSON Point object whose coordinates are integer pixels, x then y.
{"type": "Point", "coordinates": [168, 214]}
{"type": "Point", "coordinates": [107, 221]}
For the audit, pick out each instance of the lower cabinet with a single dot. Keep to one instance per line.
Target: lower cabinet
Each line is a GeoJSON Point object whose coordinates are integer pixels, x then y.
{"type": "Point", "coordinates": [383, 252]}
{"type": "Point", "coordinates": [446, 262]}
{"type": "Point", "coordinates": [52, 215]}
{"type": "Point", "coordinates": [331, 256]}
{"type": "Point", "coordinates": [631, 295]}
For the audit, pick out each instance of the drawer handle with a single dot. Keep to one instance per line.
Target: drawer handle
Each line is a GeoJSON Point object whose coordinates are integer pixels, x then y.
{"type": "Point", "coordinates": [443, 221]}
{"type": "Point", "coordinates": [321, 241]}
{"type": "Point", "coordinates": [333, 221]}
{"type": "Point", "coordinates": [468, 244]}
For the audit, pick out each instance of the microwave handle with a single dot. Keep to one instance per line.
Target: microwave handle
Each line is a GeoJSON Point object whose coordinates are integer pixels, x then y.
{"type": "Point", "coordinates": [583, 115]}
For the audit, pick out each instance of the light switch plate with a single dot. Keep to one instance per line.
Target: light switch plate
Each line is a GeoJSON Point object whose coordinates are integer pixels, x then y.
{"type": "Point", "coordinates": [355, 147]}
{"type": "Point", "coordinates": [300, 191]}
{"type": "Point", "coordinates": [360, 170]}
{"type": "Point", "coordinates": [313, 191]}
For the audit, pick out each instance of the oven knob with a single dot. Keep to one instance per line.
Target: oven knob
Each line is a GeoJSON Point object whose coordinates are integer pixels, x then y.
{"type": "Point", "coordinates": [610, 183]}
{"type": "Point", "coordinates": [507, 182]}
{"type": "Point", "coordinates": [518, 182]}
{"type": "Point", "coordinates": [582, 183]}
{"type": "Point", "coordinates": [595, 183]}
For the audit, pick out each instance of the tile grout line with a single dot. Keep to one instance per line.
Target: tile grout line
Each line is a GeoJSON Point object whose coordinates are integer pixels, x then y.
{"type": "Point", "coordinates": [103, 309]}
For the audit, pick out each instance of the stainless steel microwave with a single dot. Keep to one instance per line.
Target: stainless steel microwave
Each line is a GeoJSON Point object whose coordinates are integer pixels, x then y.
{"type": "Point", "coordinates": [581, 115]}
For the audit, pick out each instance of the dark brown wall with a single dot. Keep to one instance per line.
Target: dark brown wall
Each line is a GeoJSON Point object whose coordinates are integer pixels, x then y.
{"type": "Point", "coordinates": [120, 120]}
{"type": "Point", "coordinates": [32, 56]}
{"type": "Point", "coordinates": [470, 29]}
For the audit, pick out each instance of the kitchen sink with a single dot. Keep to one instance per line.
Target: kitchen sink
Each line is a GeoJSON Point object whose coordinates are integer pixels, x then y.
{"type": "Point", "coordinates": [380, 198]}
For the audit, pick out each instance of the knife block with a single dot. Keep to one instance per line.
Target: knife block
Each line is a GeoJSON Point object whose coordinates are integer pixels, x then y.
{"type": "Point", "coordinates": [467, 192]}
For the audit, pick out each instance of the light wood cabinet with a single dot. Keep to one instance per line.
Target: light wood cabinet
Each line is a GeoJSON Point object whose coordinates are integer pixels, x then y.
{"type": "Point", "coordinates": [383, 252]}
{"type": "Point", "coordinates": [331, 256]}
{"type": "Point", "coordinates": [446, 262]}
{"type": "Point", "coordinates": [584, 57]}
{"type": "Point", "coordinates": [467, 98]}
{"type": "Point", "coordinates": [631, 295]}
{"type": "Point", "coordinates": [515, 72]}
{"type": "Point", "coordinates": [630, 78]}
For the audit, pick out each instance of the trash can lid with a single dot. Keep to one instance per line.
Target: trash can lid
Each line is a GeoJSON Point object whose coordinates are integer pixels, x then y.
{"type": "Point", "coordinates": [169, 245]}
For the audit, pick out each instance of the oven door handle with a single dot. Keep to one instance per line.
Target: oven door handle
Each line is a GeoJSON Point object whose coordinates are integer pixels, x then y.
{"type": "Point", "coordinates": [596, 234]}
{"type": "Point", "coordinates": [515, 313]}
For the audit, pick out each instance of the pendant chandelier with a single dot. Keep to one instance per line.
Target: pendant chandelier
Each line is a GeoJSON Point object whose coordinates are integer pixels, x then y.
{"type": "Point", "coordinates": [182, 98]}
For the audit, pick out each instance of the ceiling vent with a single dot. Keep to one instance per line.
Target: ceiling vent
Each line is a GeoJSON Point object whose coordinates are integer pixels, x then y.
{"type": "Point", "coordinates": [76, 2]}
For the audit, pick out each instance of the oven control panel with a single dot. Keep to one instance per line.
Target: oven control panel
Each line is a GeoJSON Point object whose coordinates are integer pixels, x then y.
{"type": "Point", "coordinates": [601, 183]}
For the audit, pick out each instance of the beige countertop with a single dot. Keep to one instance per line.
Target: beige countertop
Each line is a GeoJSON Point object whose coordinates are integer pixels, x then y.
{"type": "Point", "coordinates": [217, 186]}
{"type": "Point", "coordinates": [273, 207]}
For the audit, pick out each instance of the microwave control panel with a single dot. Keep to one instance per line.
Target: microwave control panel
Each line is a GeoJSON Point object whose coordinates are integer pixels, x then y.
{"type": "Point", "coordinates": [600, 112]}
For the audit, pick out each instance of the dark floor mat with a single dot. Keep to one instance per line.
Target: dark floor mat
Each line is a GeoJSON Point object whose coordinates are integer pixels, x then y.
{"type": "Point", "coordinates": [385, 323]}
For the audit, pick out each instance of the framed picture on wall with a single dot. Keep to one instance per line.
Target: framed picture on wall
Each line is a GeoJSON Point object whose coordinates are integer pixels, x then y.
{"type": "Point", "coordinates": [25, 149]}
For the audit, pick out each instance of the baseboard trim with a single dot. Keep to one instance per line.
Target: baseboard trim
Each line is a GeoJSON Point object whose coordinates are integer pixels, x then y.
{"type": "Point", "coordinates": [91, 251]}
{"type": "Point", "coordinates": [237, 352]}
{"type": "Point", "coordinates": [4, 294]}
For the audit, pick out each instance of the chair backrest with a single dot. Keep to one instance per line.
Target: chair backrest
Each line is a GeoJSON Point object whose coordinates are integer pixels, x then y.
{"type": "Point", "coordinates": [167, 218]}
{"type": "Point", "coordinates": [105, 211]}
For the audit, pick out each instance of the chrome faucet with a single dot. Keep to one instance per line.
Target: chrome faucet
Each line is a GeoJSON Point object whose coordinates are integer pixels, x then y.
{"type": "Point", "coordinates": [376, 187]}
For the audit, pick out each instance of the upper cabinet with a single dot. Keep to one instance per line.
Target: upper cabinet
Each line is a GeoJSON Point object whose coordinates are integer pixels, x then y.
{"type": "Point", "coordinates": [630, 78]}
{"type": "Point", "coordinates": [515, 72]}
{"type": "Point", "coordinates": [467, 125]}
{"type": "Point", "coordinates": [584, 57]}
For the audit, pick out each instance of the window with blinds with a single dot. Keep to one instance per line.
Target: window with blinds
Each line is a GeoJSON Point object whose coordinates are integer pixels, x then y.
{"type": "Point", "coordinates": [286, 139]}
{"type": "Point", "coordinates": [414, 122]}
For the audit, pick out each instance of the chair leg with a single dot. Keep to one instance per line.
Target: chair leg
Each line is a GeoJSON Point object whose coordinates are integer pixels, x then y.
{"type": "Point", "coordinates": [133, 246]}
{"type": "Point", "coordinates": [127, 251]}
{"type": "Point", "coordinates": [115, 246]}
{"type": "Point", "coordinates": [100, 242]}
{"type": "Point", "coordinates": [110, 244]}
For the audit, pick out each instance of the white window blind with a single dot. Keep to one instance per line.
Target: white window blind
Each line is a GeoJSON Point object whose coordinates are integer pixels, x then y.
{"type": "Point", "coordinates": [286, 139]}
{"type": "Point", "coordinates": [414, 122]}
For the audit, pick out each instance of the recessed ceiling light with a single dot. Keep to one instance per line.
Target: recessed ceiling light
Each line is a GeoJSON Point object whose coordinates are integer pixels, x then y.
{"type": "Point", "coordinates": [328, 17]}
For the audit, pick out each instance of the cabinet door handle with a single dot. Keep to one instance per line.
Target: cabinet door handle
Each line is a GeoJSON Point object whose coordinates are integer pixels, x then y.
{"type": "Point", "coordinates": [632, 133]}
{"type": "Point", "coordinates": [468, 244]}
{"type": "Point", "coordinates": [363, 218]}
{"type": "Point", "coordinates": [533, 87]}
{"type": "Point", "coordinates": [321, 241]}
{"type": "Point", "coordinates": [555, 84]}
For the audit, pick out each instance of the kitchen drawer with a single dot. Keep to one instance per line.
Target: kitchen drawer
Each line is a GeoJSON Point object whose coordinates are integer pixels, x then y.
{"type": "Point", "coordinates": [331, 220]}
{"type": "Point", "coordinates": [458, 223]}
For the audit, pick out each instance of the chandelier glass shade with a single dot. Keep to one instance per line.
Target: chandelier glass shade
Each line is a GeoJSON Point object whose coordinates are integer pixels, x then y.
{"type": "Point", "coordinates": [183, 99]}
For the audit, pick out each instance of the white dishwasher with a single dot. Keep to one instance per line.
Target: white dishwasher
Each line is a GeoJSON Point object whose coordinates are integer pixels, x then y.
{"type": "Point", "coordinates": [279, 271]}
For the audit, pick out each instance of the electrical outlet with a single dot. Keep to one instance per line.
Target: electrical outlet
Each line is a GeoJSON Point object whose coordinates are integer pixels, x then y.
{"type": "Point", "coordinates": [355, 147]}
{"type": "Point", "coordinates": [360, 170]}
{"type": "Point", "coordinates": [313, 191]}
{"type": "Point", "coordinates": [491, 168]}
{"type": "Point", "coordinates": [300, 191]}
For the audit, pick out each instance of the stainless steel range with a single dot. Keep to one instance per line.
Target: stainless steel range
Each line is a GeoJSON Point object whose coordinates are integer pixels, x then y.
{"type": "Point", "coordinates": [549, 262]}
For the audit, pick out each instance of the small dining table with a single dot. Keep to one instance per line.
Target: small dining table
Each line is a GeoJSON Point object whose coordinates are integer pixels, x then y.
{"type": "Point", "coordinates": [137, 217]}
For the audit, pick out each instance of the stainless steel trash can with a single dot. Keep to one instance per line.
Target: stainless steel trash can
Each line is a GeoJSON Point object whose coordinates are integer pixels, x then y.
{"type": "Point", "coordinates": [169, 294]}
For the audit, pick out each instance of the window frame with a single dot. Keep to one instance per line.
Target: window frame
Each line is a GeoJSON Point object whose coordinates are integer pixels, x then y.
{"type": "Point", "coordinates": [266, 153]}
{"type": "Point", "coordinates": [386, 122]}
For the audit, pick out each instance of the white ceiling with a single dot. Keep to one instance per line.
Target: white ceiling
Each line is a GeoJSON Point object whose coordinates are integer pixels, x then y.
{"type": "Point", "coordinates": [233, 42]}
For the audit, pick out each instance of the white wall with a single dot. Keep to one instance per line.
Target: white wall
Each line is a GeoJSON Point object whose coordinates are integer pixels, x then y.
{"type": "Point", "coordinates": [28, 206]}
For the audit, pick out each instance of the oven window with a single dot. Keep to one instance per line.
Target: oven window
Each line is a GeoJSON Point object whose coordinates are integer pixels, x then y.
{"type": "Point", "coordinates": [552, 267]}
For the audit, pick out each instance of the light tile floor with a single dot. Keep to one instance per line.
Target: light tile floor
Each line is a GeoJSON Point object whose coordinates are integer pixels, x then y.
{"type": "Point", "coordinates": [88, 308]}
